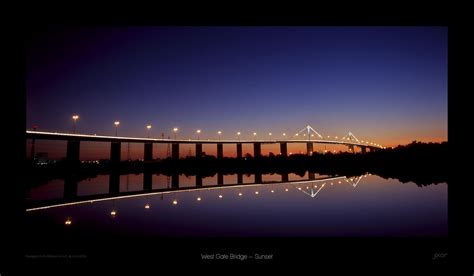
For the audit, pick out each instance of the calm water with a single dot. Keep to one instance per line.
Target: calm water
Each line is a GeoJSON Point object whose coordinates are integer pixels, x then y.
{"type": "Point", "coordinates": [364, 206]}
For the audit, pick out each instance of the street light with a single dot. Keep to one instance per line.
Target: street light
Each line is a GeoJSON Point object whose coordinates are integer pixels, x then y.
{"type": "Point", "coordinates": [148, 127]}
{"type": "Point", "coordinates": [219, 133]}
{"type": "Point", "coordinates": [116, 123]}
{"type": "Point", "coordinates": [255, 134]}
{"type": "Point", "coordinates": [198, 131]}
{"type": "Point", "coordinates": [270, 134]}
{"type": "Point", "coordinates": [175, 130]}
{"type": "Point", "coordinates": [74, 117]}
{"type": "Point", "coordinates": [238, 135]}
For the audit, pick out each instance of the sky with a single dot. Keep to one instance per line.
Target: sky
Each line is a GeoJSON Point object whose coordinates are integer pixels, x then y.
{"type": "Point", "coordinates": [384, 84]}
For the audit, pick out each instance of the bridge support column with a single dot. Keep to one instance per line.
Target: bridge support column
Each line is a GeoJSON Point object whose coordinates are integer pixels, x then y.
{"type": "Point", "coordinates": [114, 183]}
{"type": "Point", "coordinates": [220, 151]}
{"type": "Point", "coordinates": [148, 152]}
{"type": "Point", "coordinates": [72, 152]}
{"type": "Point", "coordinates": [220, 179]}
{"type": "Point", "coordinates": [258, 177]}
{"type": "Point", "coordinates": [351, 148]}
{"type": "Point", "coordinates": [257, 150]}
{"type": "Point", "coordinates": [309, 148]}
{"type": "Point", "coordinates": [240, 178]}
{"type": "Point", "coordinates": [284, 177]}
{"type": "Point", "coordinates": [175, 151]}
{"type": "Point", "coordinates": [284, 149]}
{"type": "Point", "coordinates": [198, 180]}
{"type": "Point", "coordinates": [115, 151]}
{"type": "Point", "coordinates": [199, 151]}
{"type": "Point", "coordinates": [175, 180]}
{"type": "Point", "coordinates": [147, 180]}
{"type": "Point", "coordinates": [70, 186]}
{"type": "Point", "coordinates": [239, 151]}
{"type": "Point", "coordinates": [363, 149]}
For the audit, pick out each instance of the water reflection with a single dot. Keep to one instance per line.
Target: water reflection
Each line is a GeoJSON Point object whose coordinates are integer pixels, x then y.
{"type": "Point", "coordinates": [364, 205]}
{"type": "Point", "coordinates": [116, 184]}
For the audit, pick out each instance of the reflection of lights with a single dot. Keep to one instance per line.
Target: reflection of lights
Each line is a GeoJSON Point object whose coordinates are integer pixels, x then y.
{"type": "Point", "coordinates": [198, 199]}
{"type": "Point", "coordinates": [339, 182]}
{"type": "Point", "coordinates": [331, 183]}
{"type": "Point", "coordinates": [256, 192]}
{"type": "Point", "coordinates": [273, 191]}
{"type": "Point", "coordinates": [113, 213]}
{"type": "Point", "coordinates": [284, 134]}
{"type": "Point", "coordinates": [175, 202]}
{"type": "Point", "coordinates": [299, 188]}
{"type": "Point", "coordinates": [68, 221]}
{"type": "Point", "coordinates": [286, 190]}
{"type": "Point", "coordinates": [147, 206]}
{"type": "Point", "coordinates": [240, 194]}
{"type": "Point", "coordinates": [220, 196]}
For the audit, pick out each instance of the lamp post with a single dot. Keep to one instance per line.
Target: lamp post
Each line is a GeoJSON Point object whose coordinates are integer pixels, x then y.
{"type": "Point", "coordinates": [238, 135]}
{"type": "Point", "coordinates": [198, 132]}
{"type": "Point", "coordinates": [175, 130]}
{"type": "Point", "coordinates": [74, 118]}
{"type": "Point", "coordinates": [219, 133]}
{"type": "Point", "coordinates": [116, 123]}
{"type": "Point", "coordinates": [148, 127]}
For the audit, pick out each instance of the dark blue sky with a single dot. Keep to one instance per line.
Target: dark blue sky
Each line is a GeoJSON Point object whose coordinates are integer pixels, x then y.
{"type": "Point", "coordinates": [386, 84]}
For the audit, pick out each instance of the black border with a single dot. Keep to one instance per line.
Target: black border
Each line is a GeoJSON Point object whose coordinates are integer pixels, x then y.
{"type": "Point", "coordinates": [378, 255]}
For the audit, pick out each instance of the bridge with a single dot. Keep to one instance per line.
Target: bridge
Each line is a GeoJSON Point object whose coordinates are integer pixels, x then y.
{"type": "Point", "coordinates": [73, 143]}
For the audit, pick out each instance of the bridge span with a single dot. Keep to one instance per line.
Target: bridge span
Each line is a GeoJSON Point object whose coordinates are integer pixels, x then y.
{"type": "Point", "coordinates": [73, 144]}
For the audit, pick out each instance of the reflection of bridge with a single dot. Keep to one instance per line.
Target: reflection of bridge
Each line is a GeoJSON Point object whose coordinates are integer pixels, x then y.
{"type": "Point", "coordinates": [147, 191]}
{"type": "Point", "coordinates": [353, 181]}
{"type": "Point", "coordinates": [73, 143]}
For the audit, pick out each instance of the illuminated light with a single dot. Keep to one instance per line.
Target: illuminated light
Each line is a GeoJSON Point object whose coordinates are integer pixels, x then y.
{"type": "Point", "coordinates": [296, 134]}
{"type": "Point", "coordinates": [220, 196]}
{"type": "Point", "coordinates": [175, 202]}
{"type": "Point", "coordinates": [116, 123]}
{"type": "Point", "coordinates": [75, 117]}
{"type": "Point", "coordinates": [219, 132]}
{"type": "Point", "coordinates": [175, 129]}
{"type": "Point", "coordinates": [198, 199]}
{"type": "Point", "coordinates": [113, 213]}
{"type": "Point", "coordinates": [336, 137]}
{"type": "Point", "coordinates": [331, 184]}
{"type": "Point", "coordinates": [240, 194]}
{"type": "Point", "coordinates": [299, 188]}
{"type": "Point", "coordinates": [284, 134]}
{"type": "Point", "coordinates": [270, 134]}
{"type": "Point", "coordinates": [290, 153]}
{"type": "Point", "coordinates": [148, 126]}
{"type": "Point", "coordinates": [286, 190]}
{"type": "Point", "coordinates": [339, 182]}
{"type": "Point", "coordinates": [198, 131]}
{"type": "Point", "coordinates": [147, 206]}
{"type": "Point", "coordinates": [307, 187]}
{"type": "Point", "coordinates": [329, 136]}
{"type": "Point", "coordinates": [256, 192]}
{"type": "Point", "coordinates": [325, 151]}
{"type": "Point", "coordinates": [238, 133]}
{"type": "Point", "coordinates": [312, 135]}
{"type": "Point", "coordinates": [68, 222]}
{"type": "Point", "coordinates": [254, 134]}
{"type": "Point", "coordinates": [273, 191]}
{"type": "Point", "coordinates": [315, 186]}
